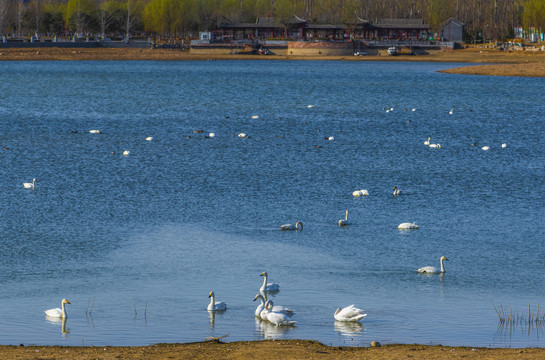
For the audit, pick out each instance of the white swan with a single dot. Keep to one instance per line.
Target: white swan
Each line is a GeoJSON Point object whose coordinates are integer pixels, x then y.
{"type": "Point", "coordinates": [126, 152]}
{"type": "Point", "coordinates": [427, 142]}
{"type": "Point", "coordinates": [349, 313]}
{"type": "Point", "coordinates": [344, 222]}
{"type": "Point", "coordinates": [291, 226]}
{"type": "Point", "coordinates": [149, 138]}
{"type": "Point", "coordinates": [451, 111]}
{"type": "Point", "coordinates": [255, 116]}
{"type": "Point", "coordinates": [58, 312]}
{"type": "Point", "coordinates": [396, 191]}
{"type": "Point", "coordinates": [215, 305]}
{"type": "Point", "coordinates": [432, 269]}
{"type": "Point", "coordinates": [485, 148]}
{"type": "Point", "coordinates": [211, 135]}
{"type": "Point", "coordinates": [504, 145]}
{"type": "Point", "coordinates": [310, 106]}
{"type": "Point", "coordinates": [435, 146]}
{"type": "Point", "coordinates": [277, 308]}
{"type": "Point", "coordinates": [29, 185]}
{"type": "Point", "coordinates": [408, 226]}
{"type": "Point", "coordinates": [95, 131]}
{"type": "Point", "coordinates": [277, 318]}
{"type": "Point", "coordinates": [268, 286]}
{"type": "Point", "coordinates": [242, 135]}
{"type": "Point", "coordinates": [360, 193]}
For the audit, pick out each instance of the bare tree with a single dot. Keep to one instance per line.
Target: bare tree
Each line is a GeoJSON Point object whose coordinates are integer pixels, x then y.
{"type": "Point", "coordinates": [20, 13]}
{"type": "Point", "coordinates": [3, 13]}
{"type": "Point", "coordinates": [105, 19]}
{"type": "Point", "coordinates": [130, 19]}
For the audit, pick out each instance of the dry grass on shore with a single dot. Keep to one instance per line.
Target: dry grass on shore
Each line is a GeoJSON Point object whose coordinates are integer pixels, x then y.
{"type": "Point", "coordinates": [283, 349]}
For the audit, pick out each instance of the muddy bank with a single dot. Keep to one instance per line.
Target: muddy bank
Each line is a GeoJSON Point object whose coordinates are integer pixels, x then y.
{"type": "Point", "coordinates": [283, 349]}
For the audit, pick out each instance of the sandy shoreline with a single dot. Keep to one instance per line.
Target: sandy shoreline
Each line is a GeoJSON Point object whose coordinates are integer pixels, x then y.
{"type": "Point", "coordinates": [495, 62]}
{"type": "Point", "coordinates": [280, 349]}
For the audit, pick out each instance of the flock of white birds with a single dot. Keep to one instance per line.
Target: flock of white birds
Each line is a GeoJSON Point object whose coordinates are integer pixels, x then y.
{"type": "Point", "coordinates": [281, 315]}
{"type": "Point", "coordinates": [266, 310]}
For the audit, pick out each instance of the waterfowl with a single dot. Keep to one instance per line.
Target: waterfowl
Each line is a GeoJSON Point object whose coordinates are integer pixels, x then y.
{"type": "Point", "coordinates": [291, 226]}
{"type": "Point", "coordinates": [432, 269]}
{"type": "Point", "coordinates": [504, 145]}
{"type": "Point", "coordinates": [330, 138]}
{"type": "Point", "coordinates": [215, 305]}
{"type": "Point", "coordinates": [345, 221]}
{"type": "Point", "coordinates": [360, 193]}
{"type": "Point", "coordinates": [126, 152]}
{"type": "Point", "coordinates": [255, 117]}
{"type": "Point", "coordinates": [485, 148]}
{"type": "Point", "coordinates": [451, 111]}
{"type": "Point", "coordinates": [310, 106]}
{"type": "Point", "coordinates": [149, 138]}
{"type": "Point", "coordinates": [277, 318]}
{"type": "Point", "coordinates": [95, 131]}
{"type": "Point", "coordinates": [349, 313]}
{"type": "Point", "coordinates": [277, 308]}
{"type": "Point", "coordinates": [396, 191]}
{"type": "Point", "coordinates": [435, 146]}
{"type": "Point", "coordinates": [427, 142]}
{"type": "Point", "coordinates": [29, 185]}
{"type": "Point", "coordinates": [407, 226]}
{"type": "Point", "coordinates": [58, 312]}
{"type": "Point", "coordinates": [242, 135]}
{"type": "Point", "coordinates": [266, 285]}
{"type": "Point", "coordinates": [211, 135]}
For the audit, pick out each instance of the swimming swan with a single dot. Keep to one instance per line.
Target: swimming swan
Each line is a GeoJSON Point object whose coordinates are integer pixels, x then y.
{"type": "Point", "coordinates": [427, 142]}
{"type": "Point", "coordinates": [95, 131]}
{"type": "Point", "coordinates": [281, 309]}
{"type": "Point", "coordinates": [277, 318]}
{"type": "Point", "coordinates": [396, 191]}
{"type": "Point", "coordinates": [345, 221]}
{"type": "Point", "coordinates": [408, 226]}
{"type": "Point", "coordinates": [268, 286]}
{"type": "Point", "coordinates": [360, 193]}
{"type": "Point", "coordinates": [149, 138]}
{"type": "Point", "coordinates": [432, 269]}
{"type": "Point", "coordinates": [435, 146]}
{"type": "Point", "coordinates": [485, 148]}
{"type": "Point", "coordinates": [291, 226]}
{"type": "Point", "coordinates": [29, 185]}
{"type": "Point", "coordinates": [58, 312]}
{"type": "Point", "coordinates": [349, 313]}
{"type": "Point", "coordinates": [215, 305]}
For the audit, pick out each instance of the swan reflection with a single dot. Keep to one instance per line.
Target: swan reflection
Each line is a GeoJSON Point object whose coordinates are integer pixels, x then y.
{"type": "Point", "coordinates": [270, 331]}
{"type": "Point", "coordinates": [348, 328]}
{"type": "Point", "coordinates": [55, 320]}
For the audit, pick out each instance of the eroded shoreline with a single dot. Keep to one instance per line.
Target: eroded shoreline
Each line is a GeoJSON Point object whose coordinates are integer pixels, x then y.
{"type": "Point", "coordinates": [267, 349]}
{"type": "Point", "coordinates": [493, 62]}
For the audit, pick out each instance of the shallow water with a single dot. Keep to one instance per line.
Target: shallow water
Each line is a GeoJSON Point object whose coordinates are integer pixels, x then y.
{"type": "Point", "coordinates": [137, 242]}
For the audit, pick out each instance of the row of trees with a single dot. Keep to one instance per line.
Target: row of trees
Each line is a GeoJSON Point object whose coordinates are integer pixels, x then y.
{"type": "Point", "coordinates": [488, 19]}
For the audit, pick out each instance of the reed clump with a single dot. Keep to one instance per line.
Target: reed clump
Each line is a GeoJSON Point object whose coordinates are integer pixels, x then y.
{"type": "Point", "coordinates": [514, 317]}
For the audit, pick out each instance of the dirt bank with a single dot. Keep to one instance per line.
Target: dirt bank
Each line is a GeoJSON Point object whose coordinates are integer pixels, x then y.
{"type": "Point", "coordinates": [284, 349]}
{"type": "Point", "coordinates": [516, 63]}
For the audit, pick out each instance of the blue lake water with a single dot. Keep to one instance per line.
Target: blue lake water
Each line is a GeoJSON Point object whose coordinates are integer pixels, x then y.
{"type": "Point", "coordinates": [137, 242]}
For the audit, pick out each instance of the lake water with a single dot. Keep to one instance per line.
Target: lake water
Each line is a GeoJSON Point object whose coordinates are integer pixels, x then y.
{"type": "Point", "coordinates": [137, 242]}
